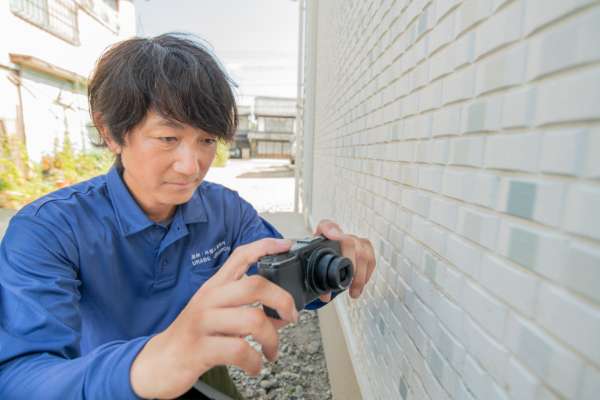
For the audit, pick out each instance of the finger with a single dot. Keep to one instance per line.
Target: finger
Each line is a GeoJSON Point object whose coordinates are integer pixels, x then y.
{"type": "Point", "coordinates": [348, 248]}
{"type": "Point", "coordinates": [278, 323]}
{"type": "Point", "coordinates": [242, 322]}
{"type": "Point", "coordinates": [325, 298]}
{"type": "Point", "coordinates": [360, 269]}
{"type": "Point", "coordinates": [329, 229]}
{"type": "Point", "coordinates": [242, 257]}
{"type": "Point", "coordinates": [225, 350]}
{"type": "Point", "coordinates": [251, 290]}
{"type": "Point", "coordinates": [370, 259]}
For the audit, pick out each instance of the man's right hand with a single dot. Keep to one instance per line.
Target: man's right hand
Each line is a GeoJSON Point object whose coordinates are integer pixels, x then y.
{"type": "Point", "coordinates": [210, 330]}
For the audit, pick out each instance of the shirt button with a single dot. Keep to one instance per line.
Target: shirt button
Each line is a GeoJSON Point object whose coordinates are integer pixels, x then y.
{"type": "Point", "coordinates": [164, 263]}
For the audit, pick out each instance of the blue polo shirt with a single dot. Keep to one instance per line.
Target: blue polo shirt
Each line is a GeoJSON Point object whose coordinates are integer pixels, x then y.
{"type": "Point", "coordinates": [86, 278]}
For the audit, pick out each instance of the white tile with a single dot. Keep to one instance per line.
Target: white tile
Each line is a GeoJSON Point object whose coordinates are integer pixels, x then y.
{"type": "Point", "coordinates": [485, 310]}
{"type": "Point", "coordinates": [446, 121]}
{"type": "Point", "coordinates": [513, 152]}
{"type": "Point", "coordinates": [459, 85]}
{"type": "Point", "coordinates": [453, 183]}
{"type": "Point", "coordinates": [465, 256]}
{"type": "Point", "coordinates": [591, 384]}
{"type": "Point", "coordinates": [491, 355]}
{"type": "Point", "coordinates": [509, 283]}
{"type": "Point", "coordinates": [477, 379]}
{"type": "Point", "coordinates": [505, 27]}
{"type": "Point", "coordinates": [517, 108]}
{"type": "Point", "coordinates": [472, 11]}
{"type": "Point", "coordinates": [581, 272]}
{"type": "Point", "coordinates": [549, 203]}
{"type": "Point", "coordinates": [522, 384]}
{"type": "Point", "coordinates": [550, 361]}
{"type": "Point", "coordinates": [444, 212]}
{"type": "Point", "coordinates": [541, 12]}
{"type": "Point", "coordinates": [467, 151]}
{"type": "Point", "coordinates": [570, 98]}
{"type": "Point", "coordinates": [583, 213]}
{"type": "Point", "coordinates": [591, 168]}
{"type": "Point", "coordinates": [503, 69]}
{"type": "Point", "coordinates": [451, 316]}
{"type": "Point", "coordinates": [442, 33]}
{"type": "Point", "coordinates": [479, 227]}
{"type": "Point", "coordinates": [570, 319]}
{"type": "Point", "coordinates": [565, 45]}
{"type": "Point", "coordinates": [563, 151]}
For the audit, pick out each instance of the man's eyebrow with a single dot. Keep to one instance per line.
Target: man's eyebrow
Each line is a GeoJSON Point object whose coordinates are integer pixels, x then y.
{"type": "Point", "coordinates": [169, 123]}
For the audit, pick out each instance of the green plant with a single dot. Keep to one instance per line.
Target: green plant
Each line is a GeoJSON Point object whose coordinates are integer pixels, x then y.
{"type": "Point", "coordinates": [64, 167]}
{"type": "Point", "coordinates": [222, 154]}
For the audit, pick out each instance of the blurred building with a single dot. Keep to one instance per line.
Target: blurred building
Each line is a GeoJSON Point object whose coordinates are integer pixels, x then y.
{"type": "Point", "coordinates": [275, 127]}
{"type": "Point", "coordinates": [241, 146]}
{"type": "Point", "coordinates": [47, 51]}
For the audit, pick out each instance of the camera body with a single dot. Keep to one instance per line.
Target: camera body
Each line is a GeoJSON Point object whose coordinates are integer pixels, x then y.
{"type": "Point", "coordinates": [312, 267]}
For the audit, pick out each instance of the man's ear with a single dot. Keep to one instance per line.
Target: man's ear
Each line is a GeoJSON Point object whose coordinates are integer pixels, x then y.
{"type": "Point", "coordinates": [113, 146]}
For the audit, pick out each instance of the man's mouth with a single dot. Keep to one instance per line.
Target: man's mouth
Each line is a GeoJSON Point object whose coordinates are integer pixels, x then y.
{"type": "Point", "coordinates": [184, 185]}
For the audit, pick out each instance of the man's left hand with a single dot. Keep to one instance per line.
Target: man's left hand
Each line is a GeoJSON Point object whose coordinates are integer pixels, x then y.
{"type": "Point", "coordinates": [358, 250]}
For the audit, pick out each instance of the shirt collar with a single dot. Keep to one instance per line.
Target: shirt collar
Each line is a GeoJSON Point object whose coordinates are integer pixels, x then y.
{"type": "Point", "coordinates": [132, 219]}
{"type": "Point", "coordinates": [194, 210]}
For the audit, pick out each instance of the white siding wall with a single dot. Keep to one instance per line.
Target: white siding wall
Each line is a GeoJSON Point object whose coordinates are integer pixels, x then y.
{"type": "Point", "coordinates": [463, 138]}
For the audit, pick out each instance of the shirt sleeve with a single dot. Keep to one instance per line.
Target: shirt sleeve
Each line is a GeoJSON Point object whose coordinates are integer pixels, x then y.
{"type": "Point", "coordinates": [253, 227]}
{"type": "Point", "coordinates": [40, 323]}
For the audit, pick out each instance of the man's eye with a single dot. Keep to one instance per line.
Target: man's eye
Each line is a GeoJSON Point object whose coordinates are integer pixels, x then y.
{"type": "Point", "coordinates": [167, 139]}
{"type": "Point", "coordinates": [210, 141]}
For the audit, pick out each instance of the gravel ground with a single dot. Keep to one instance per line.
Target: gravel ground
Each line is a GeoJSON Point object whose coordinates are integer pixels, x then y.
{"type": "Point", "coordinates": [300, 372]}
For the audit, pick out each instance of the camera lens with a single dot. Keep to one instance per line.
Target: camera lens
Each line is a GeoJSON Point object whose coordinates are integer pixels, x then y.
{"type": "Point", "coordinates": [327, 271]}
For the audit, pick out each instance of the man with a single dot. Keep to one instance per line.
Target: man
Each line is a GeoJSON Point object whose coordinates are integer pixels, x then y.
{"type": "Point", "coordinates": [132, 284]}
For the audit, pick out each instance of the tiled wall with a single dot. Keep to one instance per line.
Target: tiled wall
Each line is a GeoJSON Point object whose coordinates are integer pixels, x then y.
{"type": "Point", "coordinates": [463, 138]}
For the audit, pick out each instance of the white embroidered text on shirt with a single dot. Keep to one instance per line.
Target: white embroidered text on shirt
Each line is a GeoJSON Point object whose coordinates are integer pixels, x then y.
{"type": "Point", "coordinates": [205, 256]}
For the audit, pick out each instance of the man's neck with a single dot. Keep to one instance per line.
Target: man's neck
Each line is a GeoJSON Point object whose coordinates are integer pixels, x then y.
{"type": "Point", "coordinates": [156, 212]}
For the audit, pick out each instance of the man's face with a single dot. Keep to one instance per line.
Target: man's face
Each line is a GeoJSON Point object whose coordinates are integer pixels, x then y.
{"type": "Point", "coordinates": [164, 162]}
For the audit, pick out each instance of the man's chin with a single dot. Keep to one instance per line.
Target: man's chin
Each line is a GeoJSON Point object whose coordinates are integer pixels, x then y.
{"type": "Point", "coordinates": [177, 198]}
{"type": "Point", "coordinates": [182, 198]}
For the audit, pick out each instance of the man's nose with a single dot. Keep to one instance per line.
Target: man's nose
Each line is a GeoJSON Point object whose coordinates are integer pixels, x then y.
{"type": "Point", "coordinates": [187, 161]}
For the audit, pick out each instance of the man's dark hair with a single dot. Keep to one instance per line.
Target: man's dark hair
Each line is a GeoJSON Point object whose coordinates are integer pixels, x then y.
{"type": "Point", "coordinates": [172, 75]}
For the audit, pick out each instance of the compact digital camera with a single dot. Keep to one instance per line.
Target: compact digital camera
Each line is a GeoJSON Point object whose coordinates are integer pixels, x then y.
{"type": "Point", "coordinates": [312, 267]}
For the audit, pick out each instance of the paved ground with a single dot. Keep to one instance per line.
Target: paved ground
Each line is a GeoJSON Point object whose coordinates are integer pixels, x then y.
{"type": "Point", "coordinates": [267, 184]}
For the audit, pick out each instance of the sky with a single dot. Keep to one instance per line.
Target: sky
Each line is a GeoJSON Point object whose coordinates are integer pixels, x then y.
{"type": "Point", "coordinates": [256, 40]}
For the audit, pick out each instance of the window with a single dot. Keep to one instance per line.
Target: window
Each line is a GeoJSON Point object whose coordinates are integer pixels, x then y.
{"type": "Point", "coordinates": [58, 17]}
{"type": "Point", "coordinates": [105, 11]}
{"type": "Point", "coordinates": [279, 124]}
